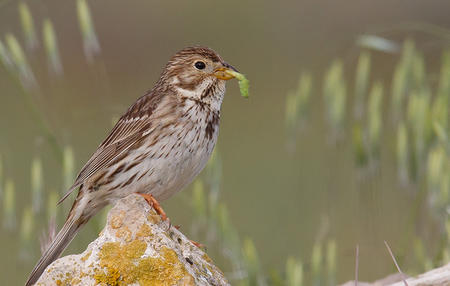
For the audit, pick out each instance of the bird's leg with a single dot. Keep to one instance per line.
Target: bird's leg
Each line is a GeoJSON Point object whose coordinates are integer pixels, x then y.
{"type": "Point", "coordinates": [155, 205]}
{"type": "Point", "coordinates": [159, 210]}
{"type": "Point", "coordinates": [199, 245]}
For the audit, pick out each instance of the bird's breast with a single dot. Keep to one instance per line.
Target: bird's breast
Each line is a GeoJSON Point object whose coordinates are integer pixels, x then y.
{"type": "Point", "coordinates": [187, 152]}
{"type": "Point", "coordinates": [171, 156]}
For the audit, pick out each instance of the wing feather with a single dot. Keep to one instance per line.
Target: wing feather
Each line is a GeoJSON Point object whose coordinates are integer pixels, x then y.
{"type": "Point", "coordinates": [127, 131]}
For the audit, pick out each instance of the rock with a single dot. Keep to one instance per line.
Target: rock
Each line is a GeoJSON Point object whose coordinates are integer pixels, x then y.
{"type": "Point", "coordinates": [436, 277]}
{"type": "Point", "coordinates": [388, 280]}
{"type": "Point", "coordinates": [135, 248]}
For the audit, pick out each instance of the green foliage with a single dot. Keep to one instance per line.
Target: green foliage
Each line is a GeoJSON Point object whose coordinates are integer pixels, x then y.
{"type": "Point", "coordinates": [90, 42]}
{"type": "Point", "coordinates": [331, 261]}
{"type": "Point", "coordinates": [437, 176]}
{"type": "Point", "coordinates": [421, 255]}
{"type": "Point", "coordinates": [417, 116]}
{"type": "Point", "coordinates": [298, 102]}
{"type": "Point", "coordinates": [26, 226]}
{"type": "Point", "coordinates": [19, 61]}
{"type": "Point", "coordinates": [228, 233]}
{"type": "Point", "coordinates": [9, 205]}
{"type": "Point", "coordinates": [402, 78]}
{"type": "Point", "coordinates": [13, 58]}
{"type": "Point", "coordinates": [5, 57]}
{"type": "Point", "coordinates": [1, 177]}
{"type": "Point", "coordinates": [362, 82]}
{"type": "Point", "coordinates": [317, 263]}
{"type": "Point", "coordinates": [335, 95]}
{"type": "Point", "coordinates": [402, 152]}
{"type": "Point", "coordinates": [446, 250]}
{"type": "Point", "coordinates": [16, 51]}
{"type": "Point", "coordinates": [199, 199]}
{"type": "Point", "coordinates": [52, 205]}
{"type": "Point", "coordinates": [27, 22]}
{"type": "Point", "coordinates": [213, 177]}
{"type": "Point", "coordinates": [51, 47]}
{"type": "Point", "coordinates": [440, 113]}
{"type": "Point", "coordinates": [68, 167]}
{"type": "Point", "coordinates": [374, 119]}
{"type": "Point", "coordinates": [420, 123]}
{"type": "Point", "coordinates": [251, 263]}
{"type": "Point", "coordinates": [359, 148]}
{"type": "Point", "coordinates": [294, 272]}
{"type": "Point", "coordinates": [36, 184]}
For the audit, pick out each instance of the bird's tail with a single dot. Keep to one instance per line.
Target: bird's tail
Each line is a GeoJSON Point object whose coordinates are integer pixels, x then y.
{"type": "Point", "coordinates": [62, 239]}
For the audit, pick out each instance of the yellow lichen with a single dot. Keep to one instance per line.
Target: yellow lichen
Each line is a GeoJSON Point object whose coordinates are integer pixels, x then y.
{"type": "Point", "coordinates": [124, 233]}
{"type": "Point", "coordinates": [166, 270]}
{"type": "Point", "coordinates": [84, 258]}
{"type": "Point", "coordinates": [68, 280]}
{"type": "Point", "coordinates": [144, 231]}
{"type": "Point", "coordinates": [208, 263]}
{"type": "Point", "coordinates": [117, 220]}
{"type": "Point", "coordinates": [207, 258]}
{"type": "Point", "coordinates": [186, 281]}
{"type": "Point", "coordinates": [154, 218]}
{"type": "Point", "coordinates": [123, 265]}
{"type": "Point", "coordinates": [75, 281]}
{"type": "Point", "coordinates": [82, 274]}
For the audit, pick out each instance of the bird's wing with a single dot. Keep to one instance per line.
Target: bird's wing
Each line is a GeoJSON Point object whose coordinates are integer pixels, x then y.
{"type": "Point", "coordinates": [125, 133]}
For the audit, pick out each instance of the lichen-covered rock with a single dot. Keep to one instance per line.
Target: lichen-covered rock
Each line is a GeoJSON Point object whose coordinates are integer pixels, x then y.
{"type": "Point", "coordinates": [135, 248]}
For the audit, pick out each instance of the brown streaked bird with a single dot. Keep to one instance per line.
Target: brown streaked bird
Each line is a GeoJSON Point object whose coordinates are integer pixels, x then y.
{"type": "Point", "coordinates": [156, 148]}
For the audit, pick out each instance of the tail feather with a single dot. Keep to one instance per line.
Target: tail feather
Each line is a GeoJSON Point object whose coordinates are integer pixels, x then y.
{"type": "Point", "coordinates": [62, 239]}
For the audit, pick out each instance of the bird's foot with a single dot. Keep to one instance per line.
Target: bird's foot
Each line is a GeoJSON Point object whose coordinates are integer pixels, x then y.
{"type": "Point", "coordinates": [155, 205]}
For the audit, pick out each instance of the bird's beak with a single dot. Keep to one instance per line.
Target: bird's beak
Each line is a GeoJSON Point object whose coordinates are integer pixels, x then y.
{"type": "Point", "coordinates": [223, 72]}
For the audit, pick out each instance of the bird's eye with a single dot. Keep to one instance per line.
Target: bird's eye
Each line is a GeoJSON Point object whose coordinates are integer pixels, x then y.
{"type": "Point", "coordinates": [200, 65]}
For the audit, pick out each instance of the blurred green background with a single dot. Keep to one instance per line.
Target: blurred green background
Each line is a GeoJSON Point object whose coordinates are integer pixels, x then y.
{"type": "Point", "coordinates": [343, 141]}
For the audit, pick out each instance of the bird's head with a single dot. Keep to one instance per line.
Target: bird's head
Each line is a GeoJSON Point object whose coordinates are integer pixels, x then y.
{"type": "Point", "coordinates": [198, 73]}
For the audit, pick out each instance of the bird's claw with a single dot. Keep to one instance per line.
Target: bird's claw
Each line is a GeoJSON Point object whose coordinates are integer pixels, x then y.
{"type": "Point", "coordinates": [155, 205]}
{"type": "Point", "coordinates": [199, 245]}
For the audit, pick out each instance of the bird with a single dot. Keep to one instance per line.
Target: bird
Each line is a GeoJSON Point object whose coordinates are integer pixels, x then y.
{"type": "Point", "coordinates": [156, 148]}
